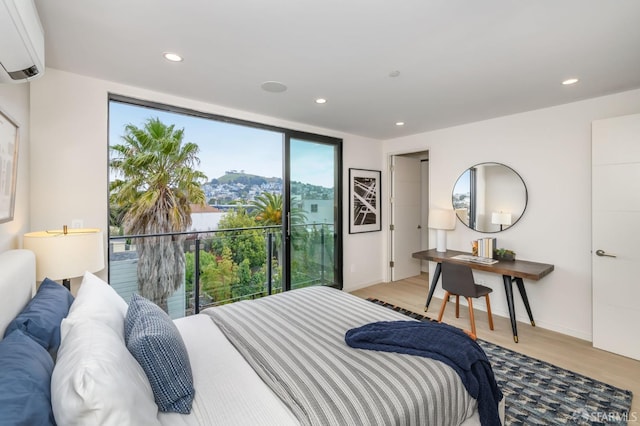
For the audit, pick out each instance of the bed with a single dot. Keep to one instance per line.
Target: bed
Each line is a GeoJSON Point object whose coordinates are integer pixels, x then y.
{"type": "Point", "coordinates": [280, 360]}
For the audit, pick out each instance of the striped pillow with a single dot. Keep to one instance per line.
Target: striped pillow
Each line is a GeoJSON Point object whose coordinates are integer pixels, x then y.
{"type": "Point", "coordinates": [155, 342]}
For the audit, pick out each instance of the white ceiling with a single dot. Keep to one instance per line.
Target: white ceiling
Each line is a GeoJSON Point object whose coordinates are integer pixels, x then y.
{"type": "Point", "coordinates": [459, 60]}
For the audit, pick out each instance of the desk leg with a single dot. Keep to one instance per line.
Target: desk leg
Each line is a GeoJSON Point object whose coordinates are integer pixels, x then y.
{"type": "Point", "coordinates": [434, 283]}
{"type": "Point", "coordinates": [525, 299]}
{"type": "Point", "coordinates": [508, 289]}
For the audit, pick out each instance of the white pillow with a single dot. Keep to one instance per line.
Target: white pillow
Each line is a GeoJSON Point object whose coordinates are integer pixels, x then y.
{"type": "Point", "coordinates": [96, 381]}
{"type": "Point", "coordinates": [96, 300]}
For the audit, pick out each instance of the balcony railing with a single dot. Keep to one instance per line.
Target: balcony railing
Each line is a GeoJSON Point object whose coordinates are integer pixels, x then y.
{"type": "Point", "coordinates": [220, 266]}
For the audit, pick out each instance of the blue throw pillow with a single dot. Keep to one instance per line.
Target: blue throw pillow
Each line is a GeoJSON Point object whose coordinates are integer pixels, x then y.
{"type": "Point", "coordinates": [155, 342]}
{"type": "Point", "coordinates": [25, 382]}
{"type": "Point", "coordinates": [42, 316]}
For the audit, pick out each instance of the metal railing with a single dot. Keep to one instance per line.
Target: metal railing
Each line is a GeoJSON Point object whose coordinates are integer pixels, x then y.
{"type": "Point", "coordinates": [226, 265]}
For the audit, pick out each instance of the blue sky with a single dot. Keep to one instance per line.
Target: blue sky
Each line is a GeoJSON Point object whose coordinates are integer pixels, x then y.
{"type": "Point", "coordinates": [462, 184]}
{"type": "Point", "coordinates": [224, 146]}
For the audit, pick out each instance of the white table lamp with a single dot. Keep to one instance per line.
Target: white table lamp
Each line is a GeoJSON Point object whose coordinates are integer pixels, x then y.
{"type": "Point", "coordinates": [501, 219]}
{"type": "Point", "coordinates": [66, 253]}
{"type": "Point", "coordinates": [442, 220]}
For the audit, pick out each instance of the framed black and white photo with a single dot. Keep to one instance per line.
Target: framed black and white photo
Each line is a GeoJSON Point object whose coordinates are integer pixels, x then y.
{"type": "Point", "coordinates": [364, 201]}
{"type": "Point", "coordinates": [8, 166]}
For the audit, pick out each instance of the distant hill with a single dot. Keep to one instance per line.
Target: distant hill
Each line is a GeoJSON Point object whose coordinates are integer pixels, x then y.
{"type": "Point", "coordinates": [304, 190]}
{"type": "Point", "coordinates": [244, 178]}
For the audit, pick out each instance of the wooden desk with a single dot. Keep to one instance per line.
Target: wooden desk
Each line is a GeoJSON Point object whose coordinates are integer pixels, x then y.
{"type": "Point", "coordinates": [511, 271]}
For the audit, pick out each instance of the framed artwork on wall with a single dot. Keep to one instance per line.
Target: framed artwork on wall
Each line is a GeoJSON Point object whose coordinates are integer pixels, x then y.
{"type": "Point", "coordinates": [8, 166]}
{"type": "Point", "coordinates": [364, 201]}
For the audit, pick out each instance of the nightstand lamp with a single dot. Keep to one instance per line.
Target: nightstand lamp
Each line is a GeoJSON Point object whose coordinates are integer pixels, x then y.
{"type": "Point", "coordinates": [66, 253]}
{"type": "Point", "coordinates": [442, 220]}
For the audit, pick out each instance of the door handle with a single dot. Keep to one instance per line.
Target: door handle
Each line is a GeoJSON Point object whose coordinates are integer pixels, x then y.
{"type": "Point", "coordinates": [602, 253]}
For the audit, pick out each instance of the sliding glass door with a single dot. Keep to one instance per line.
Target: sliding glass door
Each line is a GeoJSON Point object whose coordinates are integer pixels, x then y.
{"type": "Point", "coordinates": [313, 205]}
{"type": "Point", "coordinates": [270, 220]}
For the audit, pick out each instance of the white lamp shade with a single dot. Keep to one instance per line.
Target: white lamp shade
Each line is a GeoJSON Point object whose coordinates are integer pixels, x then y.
{"type": "Point", "coordinates": [501, 218]}
{"type": "Point", "coordinates": [61, 256]}
{"type": "Point", "coordinates": [442, 219]}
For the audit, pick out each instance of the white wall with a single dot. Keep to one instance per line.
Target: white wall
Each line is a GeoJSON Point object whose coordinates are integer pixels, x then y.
{"type": "Point", "coordinates": [14, 101]}
{"type": "Point", "coordinates": [69, 159]}
{"type": "Point", "coordinates": [551, 149]}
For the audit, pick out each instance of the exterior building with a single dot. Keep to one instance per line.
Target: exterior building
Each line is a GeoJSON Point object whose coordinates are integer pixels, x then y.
{"type": "Point", "coordinates": [205, 218]}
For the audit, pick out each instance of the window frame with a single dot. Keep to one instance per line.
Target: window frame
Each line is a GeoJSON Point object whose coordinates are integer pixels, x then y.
{"type": "Point", "coordinates": [288, 135]}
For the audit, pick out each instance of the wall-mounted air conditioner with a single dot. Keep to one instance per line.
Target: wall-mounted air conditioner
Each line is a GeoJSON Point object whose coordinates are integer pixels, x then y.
{"type": "Point", "coordinates": [21, 41]}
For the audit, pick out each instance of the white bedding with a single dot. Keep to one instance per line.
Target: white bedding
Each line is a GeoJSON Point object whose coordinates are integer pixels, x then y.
{"type": "Point", "coordinates": [228, 391]}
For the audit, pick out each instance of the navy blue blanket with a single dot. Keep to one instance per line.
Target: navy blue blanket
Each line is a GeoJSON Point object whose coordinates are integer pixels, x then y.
{"type": "Point", "coordinates": [443, 343]}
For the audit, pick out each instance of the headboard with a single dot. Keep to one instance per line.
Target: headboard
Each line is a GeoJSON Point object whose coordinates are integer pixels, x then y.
{"type": "Point", "coordinates": [17, 284]}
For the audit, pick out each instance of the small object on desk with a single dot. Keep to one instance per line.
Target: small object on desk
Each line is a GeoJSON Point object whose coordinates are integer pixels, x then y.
{"type": "Point", "coordinates": [486, 246]}
{"type": "Point", "coordinates": [504, 254]}
{"type": "Point", "coordinates": [474, 248]}
{"type": "Point", "coordinates": [475, 259]}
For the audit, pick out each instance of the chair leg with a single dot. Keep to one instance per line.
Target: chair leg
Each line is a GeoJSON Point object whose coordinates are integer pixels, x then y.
{"type": "Point", "coordinates": [470, 334]}
{"type": "Point", "coordinates": [489, 312]}
{"type": "Point", "coordinates": [444, 305]}
{"type": "Point", "coordinates": [471, 317]}
{"type": "Point", "coordinates": [457, 306]}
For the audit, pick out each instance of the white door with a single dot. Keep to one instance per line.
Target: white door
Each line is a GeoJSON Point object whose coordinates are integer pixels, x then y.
{"type": "Point", "coordinates": [405, 216]}
{"type": "Point", "coordinates": [616, 232]}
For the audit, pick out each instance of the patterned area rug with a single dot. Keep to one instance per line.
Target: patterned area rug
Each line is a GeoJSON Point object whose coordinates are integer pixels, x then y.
{"type": "Point", "coordinates": [539, 393]}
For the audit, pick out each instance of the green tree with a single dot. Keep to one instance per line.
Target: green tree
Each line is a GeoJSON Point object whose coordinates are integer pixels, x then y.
{"type": "Point", "coordinates": [249, 283]}
{"type": "Point", "coordinates": [156, 184]}
{"type": "Point", "coordinates": [244, 244]}
{"type": "Point", "coordinates": [218, 277]}
{"type": "Point", "coordinates": [206, 259]}
{"type": "Point", "coordinates": [268, 211]}
{"type": "Point", "coordinates": [268, 208]}
{"type": "Point", "coordinates": [240, 256]}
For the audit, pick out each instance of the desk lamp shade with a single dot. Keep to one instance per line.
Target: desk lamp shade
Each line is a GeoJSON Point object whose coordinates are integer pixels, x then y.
{"type": "Point", "coordinates": [442, 220]}
{"type": "Point", "coordinates": [64, 254]}
{"type": "Point", "coordinates": [501, 219]}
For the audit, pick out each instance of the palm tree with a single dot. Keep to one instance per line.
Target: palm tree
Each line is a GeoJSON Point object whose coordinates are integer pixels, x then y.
{"type": "Point", "coordinates": [268, 208]}
{"type": "Point", "coordinates": [268, 211]}
{"type": "Point", "coordinates": [156, 185]}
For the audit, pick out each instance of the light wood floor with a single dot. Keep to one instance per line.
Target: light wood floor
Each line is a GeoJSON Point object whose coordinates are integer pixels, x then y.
{"type": "Point", "coordinates": [564, 351]}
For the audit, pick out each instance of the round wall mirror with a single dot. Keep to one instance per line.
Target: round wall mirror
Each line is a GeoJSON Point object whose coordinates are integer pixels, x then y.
{"type": "Point", "coordinates": [489, 197]}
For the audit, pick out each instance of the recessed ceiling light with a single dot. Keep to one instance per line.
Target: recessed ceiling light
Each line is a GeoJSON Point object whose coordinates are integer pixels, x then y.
{"type": "Point", "coordinates": [570, 81]}
{"type": "Point", "coordinates": [399, 123]}
{"type": "Point", "coordinates": [173, 57]}
{"type": "Point", "coordinates": [321, 101]}
{"type": "Point", "coordinates": [273, 86]}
